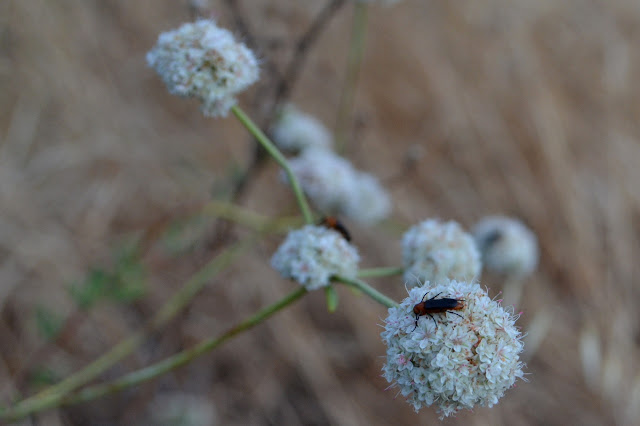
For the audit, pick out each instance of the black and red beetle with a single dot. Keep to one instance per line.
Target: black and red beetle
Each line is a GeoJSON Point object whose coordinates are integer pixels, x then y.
{"type": "Point", "coordinates": [437, 306]}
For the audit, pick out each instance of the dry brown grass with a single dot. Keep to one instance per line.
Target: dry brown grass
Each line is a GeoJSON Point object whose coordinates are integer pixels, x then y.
{"type": "Point", "coordinates": [525, 108]}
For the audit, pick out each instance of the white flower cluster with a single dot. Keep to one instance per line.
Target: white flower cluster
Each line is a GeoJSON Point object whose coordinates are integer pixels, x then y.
{"type": "Point", "coordinates": [337, 188]}
{"type": "Point", "coordinates": [203, 61]}
{"type": "Point", "coordinates": [462, 362]}
{"type": "Point", "coordinates": [295, 131]}
{"type": "Point", "coordinates": [435, 251]}
{"type": "Point", "coordinates": [313, 254]}
{"type": "Point", "coordinates": [330, 181]}
{"type": "Point", "coordinates": [508, 247]}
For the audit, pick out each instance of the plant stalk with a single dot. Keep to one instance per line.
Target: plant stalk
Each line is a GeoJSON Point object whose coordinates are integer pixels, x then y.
{"type": "Point", "coordinates": [277, 155]}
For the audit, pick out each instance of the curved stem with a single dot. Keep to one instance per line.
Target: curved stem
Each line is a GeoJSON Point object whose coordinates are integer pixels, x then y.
{"type": "Point", "coordinates": [277, 155]}
{"type": "Point", "coordinates": [249, 218]}
{"type": "Point", "coordinates": [174, 305]}
{"type": "Point", "coordinates": [385, 271]}
{"type": "Point", "coordinates": [366, 289]}
{"type": "Point", "coordinates": [153, 370]}
{"type": "Point", "coordinates": [354, 61]}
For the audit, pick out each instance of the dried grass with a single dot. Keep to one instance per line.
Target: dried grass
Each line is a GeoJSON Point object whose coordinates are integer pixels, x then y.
{"type": "Point", "coordinates": [524, 108]}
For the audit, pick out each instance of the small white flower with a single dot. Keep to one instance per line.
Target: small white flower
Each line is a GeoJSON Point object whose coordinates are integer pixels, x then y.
{"type": "Point", "coordinates": [313, 254]}
{"type": "Point", "coordinates": [508, 247]}
{"type": "Point", "coordinates": [435, 251]}
{"type": "Point", "coordinates": [203, 61]}
{"type": "Point", "coordinates": [336, 188]}
{"type": "Point", "coordinates": [462, 362]}
{"type": "Point", "coordinates": [295, 131]}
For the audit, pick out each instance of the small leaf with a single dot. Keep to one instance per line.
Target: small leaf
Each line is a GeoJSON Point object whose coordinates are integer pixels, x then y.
{"type": "Point", "coordinates": [94, 287]}
{"type": "Point", "coordinates": [127, 284]}
{"type": "Point", "coordinates": [332, 298]}
{"type": "Point", "coordinates": [43, 376]}
{"type": "Point", "coordinates": [49, 323]}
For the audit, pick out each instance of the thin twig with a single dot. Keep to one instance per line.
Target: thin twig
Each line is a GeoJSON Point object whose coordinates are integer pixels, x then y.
{"type": "Point", "coordinates": [303, 46]}
{"type": "Point", "coordinates": [284, 83]}
{"type": "Point", "coordinates": [354, 61]}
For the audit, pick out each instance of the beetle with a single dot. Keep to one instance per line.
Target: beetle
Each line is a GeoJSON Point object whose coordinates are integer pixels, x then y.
{"type": "Point", "coordinates": [333, 223]}
{"type": "Point", "coordinates": [437, 306]}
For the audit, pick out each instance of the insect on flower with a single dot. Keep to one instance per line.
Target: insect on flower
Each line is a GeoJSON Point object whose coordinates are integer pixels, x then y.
{"type": "Point", "coordinates": [437, 306]}
{"type": "Point", "coordinates": [333, 223]}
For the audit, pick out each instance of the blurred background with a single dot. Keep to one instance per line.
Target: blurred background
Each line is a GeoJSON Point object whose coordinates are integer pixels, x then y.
{"type": "Point", "coordinates": [463, 109]}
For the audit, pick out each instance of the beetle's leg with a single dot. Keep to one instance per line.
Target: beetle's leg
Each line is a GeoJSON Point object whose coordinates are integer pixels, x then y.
{"type": "Point", "coordinates": [434, 320]}
{"type": "Point", "coordinates": [455, 313]}
{"type": "Point", "coordinates": [414, 328]}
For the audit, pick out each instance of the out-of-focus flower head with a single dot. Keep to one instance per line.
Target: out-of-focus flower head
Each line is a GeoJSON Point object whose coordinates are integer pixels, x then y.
{"type": "Point", "coordinates": [295, 131]}
{"type": "Point", "coordinates": [437, 251]}
{"type": "Point", "coordinates": [203, 61]}
{"type": "Point", "coordinates": [508, 247]}
{"type": "Point", "coordinates": [461, 363]}
{"type": "Point", "coordinates": [313, 254]}
{"type": "Point", "coordinates": [336, 188]}
{"type": "Point", "coordinates": [369, 202]}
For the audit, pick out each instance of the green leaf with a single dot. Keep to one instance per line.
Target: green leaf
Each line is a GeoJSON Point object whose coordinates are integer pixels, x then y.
{"type": "Point", "coordinates": [94, 288]}
{"type": "Point", "coordinates": [124, 283]}
{"type": "Point", "coordinates": [128, 278]}
{"type": "Point", "coordinates": [43, 376]}
{"type": "Point", "coordinates": [49, 323]}
{"type": "Point", "coordinates": [332, 298]}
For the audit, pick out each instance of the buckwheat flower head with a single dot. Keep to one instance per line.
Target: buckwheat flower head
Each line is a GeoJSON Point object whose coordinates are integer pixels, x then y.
{"type": "Point", "coordinates": [507, 245]}
{"type": "Point", "coordinates": [313, 254]}
{"type": "Point", "coordinates": [295, 131]}
{"type": "Point", "coordinates": [336, 187]}
{"type": "Point", "coordinates": [369, 202]}
{"type": "Point", "coordinates": [203, 61]}
{"type": "Point", "coordinates": [437, 251]}
{"type": "Point", "coordinates": [325, 177]}
{"type": "Point", "coordinates": [461, 363]}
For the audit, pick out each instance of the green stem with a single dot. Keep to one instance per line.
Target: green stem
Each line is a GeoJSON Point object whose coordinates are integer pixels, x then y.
{"type": "Point", "coordinates": [156, 369]}
{"type": "Point", "coordinates": [127, 346]}
{"type": "Point", "coordinates": [386, 271]}
{"type": "Point", "coordinates": [277, 155]}
{"type": "Point", "coordinates": [354, 62]}
{"type": "Point", "coordinates": [246, 217]}
{"type": "Point", "coordinates": [366, 289]}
